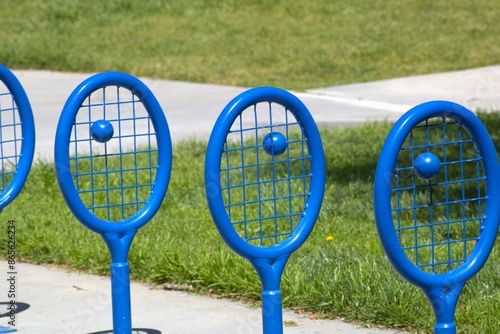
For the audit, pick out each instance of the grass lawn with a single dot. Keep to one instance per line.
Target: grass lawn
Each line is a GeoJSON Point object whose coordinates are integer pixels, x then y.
{"type": "Point", "coordinates": [348, 277]}
{"type": "Point", "coordinates": [292, 45]}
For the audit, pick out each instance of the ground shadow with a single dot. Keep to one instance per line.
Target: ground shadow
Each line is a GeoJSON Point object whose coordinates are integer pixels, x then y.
{"type": "Point", "coordinates": [134, 331]}
{"type": "Point", "coordinates": [20, 307]}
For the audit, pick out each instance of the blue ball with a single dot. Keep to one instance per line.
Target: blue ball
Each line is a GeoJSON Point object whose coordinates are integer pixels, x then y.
{"type": "Point", "coordinates": [274, 143]}
{"type": "Point", "coordinates": [427, 166]}
{"type": "Point", "coordinates": [101, 131]}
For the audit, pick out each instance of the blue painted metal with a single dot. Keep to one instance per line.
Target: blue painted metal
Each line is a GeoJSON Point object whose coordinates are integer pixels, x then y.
{"type": "Point", "coordinates": [17, 133]}
{"type": "Point", "coordinates": [264, 202]}
{"type": "Point", "coordinates": [274, 143]}
{"type": "Point", "coordinates": [24, 142]}
{"type": "Point", "coordinates": [102, 131]}
{"type": "Point", "coordinates": [108, 188]}
{"type": "Point", "coordinates": [416, 217]}
{"type": "Point", "coordinates": [427, 165]}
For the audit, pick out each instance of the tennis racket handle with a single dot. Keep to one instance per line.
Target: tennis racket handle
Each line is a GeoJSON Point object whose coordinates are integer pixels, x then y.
{"type": "Point", "coordinates": [449, 328]}
{"type": "Point", "coordinates": [120, 293]}
{"type": "Point", "coordinates": [272, 316]}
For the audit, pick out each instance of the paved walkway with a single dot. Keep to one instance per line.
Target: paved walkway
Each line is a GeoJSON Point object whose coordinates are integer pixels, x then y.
{"type": "Point", "coordinates": [56, 301]}
{"type": "Point", "coordinates": [191, 109]}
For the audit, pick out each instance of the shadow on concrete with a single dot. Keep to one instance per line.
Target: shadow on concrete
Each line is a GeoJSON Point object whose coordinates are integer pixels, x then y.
{"type": "Point", "coordinates": [20, 307]}
{"type": "Point", "coordinates": [134, 331]}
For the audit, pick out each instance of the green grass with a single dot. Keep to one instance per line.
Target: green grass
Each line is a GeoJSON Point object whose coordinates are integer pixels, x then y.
{"type": "Point", "coordinates": [293, 45]}
{"type": "Point", "coordinates": [348, 277]}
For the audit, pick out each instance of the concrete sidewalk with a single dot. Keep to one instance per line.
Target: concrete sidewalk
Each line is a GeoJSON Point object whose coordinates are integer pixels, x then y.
{"type": "Point", "coordinates": [56, 301]}
{"type": "Point", "coordinates": [191, 109]}
{"type": "Point", "coordinates": [63, 302]}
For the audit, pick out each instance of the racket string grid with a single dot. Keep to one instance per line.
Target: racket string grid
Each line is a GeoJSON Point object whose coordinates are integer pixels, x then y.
{"type": "Point", "coordinates": [438, 221]}
{"type": "Point", "coordinates": [265, 194]}
{"type": "Point", "coordinates": [115, 178]}
{"type": "Point", "coordinates": [10, 136]}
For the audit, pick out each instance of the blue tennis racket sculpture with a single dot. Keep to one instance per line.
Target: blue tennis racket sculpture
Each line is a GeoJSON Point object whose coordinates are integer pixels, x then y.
{"type": "Point", "coordinates": [264, 181]}
{"type": "Point", "coordinates": [113, 158]}
{"type": "Point", "coordinates": [437, 201]}
{"type": "Point", "coordinates": [17, 141]}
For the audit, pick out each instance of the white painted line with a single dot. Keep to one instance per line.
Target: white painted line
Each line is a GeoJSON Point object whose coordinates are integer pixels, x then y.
{"type": "Point", "coordinates": [358, 102]}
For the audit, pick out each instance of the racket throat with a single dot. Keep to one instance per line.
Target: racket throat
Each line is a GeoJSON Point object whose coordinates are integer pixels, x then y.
{"type": "Point", "coordinates": [119, 245]}
{"type": "Point", "coordinates": [444, 302]}
{"type": "Point", "coordinates": [270, 272]}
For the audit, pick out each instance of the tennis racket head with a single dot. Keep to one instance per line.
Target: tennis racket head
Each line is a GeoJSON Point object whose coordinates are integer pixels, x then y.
{"type": "Point", "coordinates": [436, 195]}
{"type": "Point", "coordinates": [265, 173]}
{"type": "Point", "coordinates": [113, 153]}
{"type": "Point", "coordinates": [17, 136]}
